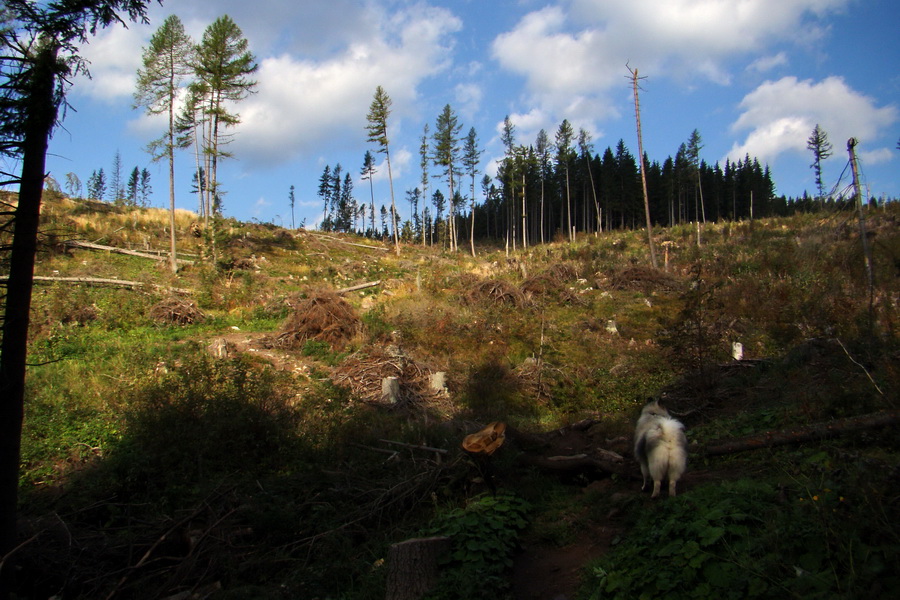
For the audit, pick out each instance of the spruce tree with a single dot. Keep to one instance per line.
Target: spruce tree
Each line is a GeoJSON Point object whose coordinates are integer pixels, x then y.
{"type": "Point", "coordinates": [470, 158]}
{"type": "Point", "coordinates": [446, 155]}
{"type": "Point", "coordinates": [379, 111]}
{"type": "Point", "coordinates": [821, 149]}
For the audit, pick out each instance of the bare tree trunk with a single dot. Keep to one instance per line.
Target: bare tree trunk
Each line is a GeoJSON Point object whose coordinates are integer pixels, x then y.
{"type": "Point", "coordinates": [637, 116]}
{"type": "Point", "coordinates": [39, 122]}
{"type": "Point", "coordinates": [413, 567]}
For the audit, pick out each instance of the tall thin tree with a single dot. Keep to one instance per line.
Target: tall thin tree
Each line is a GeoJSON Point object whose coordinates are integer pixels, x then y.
{"type": "Point", "coordinates": [223, 66]}
{"type": "Point", "coordinates": [564, 151]}
{"type": "Point", "coordinates": [470, 158]}
{"type": "Point", "coordinates": [167, 62]}
{"type": "Point", "coordinates": [367, 173]}
{"type": "Point", "coordinates": [821, 148]}
{"type": "Point", "coordinates": [446, 155]}
{"type": "Point", "coordinates": [40, 54]}
{"type": "Point", "coordinates": [379, 112]}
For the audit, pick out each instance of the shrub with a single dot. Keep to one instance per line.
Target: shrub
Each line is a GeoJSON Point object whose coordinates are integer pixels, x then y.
{"type": "Point", "coordinates": [483, 537]}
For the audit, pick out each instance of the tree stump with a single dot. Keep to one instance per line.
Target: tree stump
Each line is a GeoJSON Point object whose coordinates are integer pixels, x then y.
{"type": "Point", "coordinates": [413, 569]}
{"type": "Point", "coordinates": [390, 390]}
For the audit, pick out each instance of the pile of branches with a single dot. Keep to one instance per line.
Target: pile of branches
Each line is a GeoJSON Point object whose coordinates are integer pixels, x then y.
{"type": "Point", "coordinates": [174, 309]}
{"type": "Point", "coordinates": [644, 279]}
{"type": "Point", "coordinates": [496, 291]}
{"type": "Point", "coordinates": [323, 316]}
{"type": "Point", "coordinates": [363, 373]}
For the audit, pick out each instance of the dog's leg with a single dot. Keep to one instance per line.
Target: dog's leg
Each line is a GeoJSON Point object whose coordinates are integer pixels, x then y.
{"type": "Point", "coordinates": [656, 485]}
{"type": "Point", "coordinates": [672, 483]}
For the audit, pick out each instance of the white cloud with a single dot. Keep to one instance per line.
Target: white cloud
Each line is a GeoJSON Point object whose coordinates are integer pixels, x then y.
{"type": "Point", "coordinates": [115, 55]}
{"type": "Point", "coordinates": [780, 116]}
{"type": "Point", "coordinates": [468, 98]}
{"type": "Point", "coordinates": [301, 105]}
{"type": "Point", "coordinates": [764, 64]}
{"type": "Point", "coordinates": [573, 54]}
{"type": "Point", "coordinates": [877, 156]}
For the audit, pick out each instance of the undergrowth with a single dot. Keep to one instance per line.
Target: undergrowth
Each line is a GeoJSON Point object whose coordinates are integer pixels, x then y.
{"type": "Point", "coordinates": [817, 531]}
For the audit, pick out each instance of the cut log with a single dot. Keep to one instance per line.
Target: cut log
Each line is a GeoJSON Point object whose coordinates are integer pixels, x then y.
{"type": "Point", "coordinates": [413, 567]}
{"type": "Point", "coordinates": [90, 246]}
{"type": "Point", "coordinates": [99, 281]}
{"type": "Point", "coordinates": [816, 431]}
{"type": "Point", "coordinates": [361, 286]}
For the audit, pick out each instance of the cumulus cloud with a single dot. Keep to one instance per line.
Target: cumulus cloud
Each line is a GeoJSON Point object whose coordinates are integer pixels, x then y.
{"type": "Point", "coordinates": [780, 116]}
{"type": "Point", "coordinates": [572, 55]}
{"type": "Point", "coordinates": [114, 57]}
{"type": "Point", "coordinates": [301, 104]}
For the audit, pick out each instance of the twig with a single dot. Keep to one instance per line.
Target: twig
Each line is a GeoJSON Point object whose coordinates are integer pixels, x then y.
{"type": "Point", "coordinates": [415, 446]}
{"type": "Point", "coordinates": [878, 389]}
{"type": "Point", "coordinates": [393, 453]}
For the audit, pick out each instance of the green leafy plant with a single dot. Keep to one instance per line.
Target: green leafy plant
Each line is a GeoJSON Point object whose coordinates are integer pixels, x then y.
{"type": "Point", "coordinates": [483, 537]}
{"type": "Point", "coordinates": [746, 539]}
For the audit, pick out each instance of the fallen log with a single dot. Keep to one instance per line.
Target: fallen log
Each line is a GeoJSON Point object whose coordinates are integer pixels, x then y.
{"type": "Point", "coordinates": [91, 246]}
{"type": "Point", "coordinates": [816, 431]}
{"type": "Point", "coordinates": [361, 286]}
{"type": "Point", "coordinates": [337, 241]}
{"type": "Point", "coordinates": [100, 281]}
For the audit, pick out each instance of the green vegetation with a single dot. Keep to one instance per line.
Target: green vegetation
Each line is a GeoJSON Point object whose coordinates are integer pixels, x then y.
{"type": "Point", "coordinates": [193, 449]}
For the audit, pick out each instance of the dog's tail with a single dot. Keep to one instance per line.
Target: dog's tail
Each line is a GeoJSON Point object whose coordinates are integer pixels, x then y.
{"type": "Point", "coordinates": [667, 452]}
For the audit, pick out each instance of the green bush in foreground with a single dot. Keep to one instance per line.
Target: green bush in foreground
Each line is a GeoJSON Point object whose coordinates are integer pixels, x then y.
{"type": "Point", "coordinates": [483, 537]}
{"type": "Point", "coordinates": [748, 539]}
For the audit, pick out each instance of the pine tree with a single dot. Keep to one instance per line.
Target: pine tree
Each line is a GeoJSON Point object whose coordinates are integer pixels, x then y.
{"type": "Point", "coordinates": [324, 192]}
{"type": "Point", "coordinates": [167, 61]}
{"type": "Point", "coordinates": [821, 149]}
{"type": "Point", "coordinates": [116, 187]}
{"type": "Point", "coordinates": [367, 173]}
{"type": "Point", "coordinates": [223, 67]}
{"type": "Point", "coordinates": [470, 158]}
{"type": "Point", "coordinates": [424, 160]}
{"type": "Point", "coordinates": [379, 111]}
{"type": "Point", "coordinates": [564, 153]}
{"type": "Point", "coordinates": [145, 189]}
{"type": "Point", "coordinates": [291, 202]}
{"type": "Point", "coordinates": [39, 49]}
{"type": "Point", "coordinates": [131, 189]}
{"type": "Point", "coordinates": [446, 155]}
{"type": "Point", "coordinates": [543, 148]}
{"type": "Point", "coordinates": [96, 185]}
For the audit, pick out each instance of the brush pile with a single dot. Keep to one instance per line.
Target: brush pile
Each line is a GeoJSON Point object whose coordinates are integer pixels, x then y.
{"type": "Point", "coordinates": [496, 291]}
{"type": "Point", "coordinates": [175, 310]}
{"type": "Point", "coordinates": [323, 316]}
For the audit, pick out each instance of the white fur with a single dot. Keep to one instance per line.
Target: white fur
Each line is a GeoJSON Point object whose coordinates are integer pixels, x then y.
{"type": "Point", "coordinates": [660, 447]}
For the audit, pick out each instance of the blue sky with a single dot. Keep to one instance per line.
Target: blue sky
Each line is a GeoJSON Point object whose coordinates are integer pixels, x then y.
{"type": "Point", "coordinates": [753, 76]}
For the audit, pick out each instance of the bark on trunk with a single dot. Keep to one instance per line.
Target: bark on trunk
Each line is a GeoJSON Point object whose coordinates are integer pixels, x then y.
{"type": "Point", "coordinates": [39, 122]}
{"type": "Point", "coordinates": [413, 567]}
